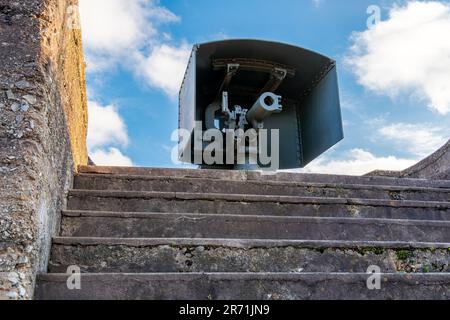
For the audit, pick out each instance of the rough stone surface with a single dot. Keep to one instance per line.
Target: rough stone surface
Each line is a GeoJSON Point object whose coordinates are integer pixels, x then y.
{"type": "Point", "coordinates": [184, 234]}
{"type": "Point", "coordinates": [135, 257]}
{"type": "Point", "coordinates": [41, 95]}
{"type": "Point", "coordinates": [282, 188]}
{"type": "Point", "coordinates": [247, 286]}
{"type": "Point", "coordinates": [255, 205]}
{"type": "Point", "coordinates": [436, 166]}
{"type": "Point", "coordinates": [168, 225]}
{"type": "Point", "coordinates": [263, 176]}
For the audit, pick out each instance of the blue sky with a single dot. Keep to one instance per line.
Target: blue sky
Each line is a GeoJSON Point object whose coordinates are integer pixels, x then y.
{"type": "Point", "coordinates": [395, 102]}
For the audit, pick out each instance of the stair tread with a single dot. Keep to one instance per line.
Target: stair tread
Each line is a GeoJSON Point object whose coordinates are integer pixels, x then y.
{"type": "Point", "coordinates": [200, 216]}
{"type": "Point", "coordinates": [243, 275]}
{"type": "Point", "coordinates": [257, 198]}
{"type": "Point", "coordinates": [444, 189]}
{"type": "Point", "coordinates": [235, 226]}
{"type": "Point", "coordinates": [253, 175]}
{"type": "Point", "coordinates": [246, 243]}
{"type": "Point", "coordinates": [244, 286]}
{"type": "Point", "coordinates": [249, 256]}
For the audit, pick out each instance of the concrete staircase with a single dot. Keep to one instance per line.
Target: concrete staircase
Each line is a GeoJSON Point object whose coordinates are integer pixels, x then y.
{"type": "Point", "coordinates": [141, 233]}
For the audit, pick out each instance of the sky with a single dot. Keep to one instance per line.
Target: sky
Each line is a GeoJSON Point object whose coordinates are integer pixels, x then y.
{"type": "Point", "coordinates": [393, 60]}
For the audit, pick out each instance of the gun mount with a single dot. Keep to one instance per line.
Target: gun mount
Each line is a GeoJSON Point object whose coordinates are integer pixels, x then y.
{"type": "Point", "coordinates": [253, 84]}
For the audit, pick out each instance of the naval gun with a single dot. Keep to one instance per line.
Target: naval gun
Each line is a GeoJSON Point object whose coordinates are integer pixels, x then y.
{"type": "Point", "coordinates": [254, 84]}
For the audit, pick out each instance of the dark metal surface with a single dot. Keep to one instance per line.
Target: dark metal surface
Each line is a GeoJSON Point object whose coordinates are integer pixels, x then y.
{"type": "Point", "coordinates": [310, 124]}
{"type": "Point", "coordinates": [320, 117]}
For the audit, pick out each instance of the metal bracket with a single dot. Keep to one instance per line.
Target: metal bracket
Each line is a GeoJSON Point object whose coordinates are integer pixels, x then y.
{"type": "Point", "coordinates": [232, 69]}
{"type": "Point", "coordinates": [276, 78]}
{"type": "Point", "coordinates": [253, 65]}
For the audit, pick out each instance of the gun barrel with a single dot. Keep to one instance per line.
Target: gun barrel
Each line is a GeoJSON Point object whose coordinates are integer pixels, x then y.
{"type": "Point", "coordinates": [266, 104]}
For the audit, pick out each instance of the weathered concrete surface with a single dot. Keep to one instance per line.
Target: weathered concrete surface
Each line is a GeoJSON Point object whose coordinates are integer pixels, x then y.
{"type": "Point", "coordinates": [435, 167]}
{"type": "Point", "coordinates": [282, 188]}
{"type": "Point", "coordinates": [178, 202]}
{"type": "Point", "coordinates": [183, 239]}
{"type": "Point", "coordinates": [247, 286]}
{"type": "Point", "coordinates": [166, 225]}
{"type": "Point", "coordinates": [261, 176]}
{"type": "Point", "coordinates": [41, 96]}
{"type": "Point", "coordinates": [103, 255]}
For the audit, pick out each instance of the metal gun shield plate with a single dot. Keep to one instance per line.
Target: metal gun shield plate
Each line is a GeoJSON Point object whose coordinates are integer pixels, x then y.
{"type": "Point", "coordinates": [310, 121]}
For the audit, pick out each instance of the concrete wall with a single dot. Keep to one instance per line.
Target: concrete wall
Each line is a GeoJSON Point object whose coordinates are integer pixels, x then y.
{"type": "Point", "coordinates": [435, 167]}
{"type": "Point", "coordinates": [43, 125]}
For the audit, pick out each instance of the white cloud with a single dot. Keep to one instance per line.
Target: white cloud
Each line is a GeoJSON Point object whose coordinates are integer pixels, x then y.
{"type": "Point", "coordinates": [116, 27]}
{"type": "Point", "coordinates": [418, 139]}
{"type": "Point", "coordinates": [112, 26]}
{"type": "Point", "coordinates": [106, 127]}
{"type": "Point", "coordinates": [408, 53]}
{"type": "Point", "coordinates": [357, 162]}
{"type": "Point", "coordinates": [110, 157]}
{"type": "Point", "coordinates": [126, 33]}
{"type": "Point", "coordinates": [164, 68]}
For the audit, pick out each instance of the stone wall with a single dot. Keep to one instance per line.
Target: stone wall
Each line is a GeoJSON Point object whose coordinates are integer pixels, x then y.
{"type": "Point", "coordinates": [435, 167]}
{"type": "Point", "coordinates": [43, 126]}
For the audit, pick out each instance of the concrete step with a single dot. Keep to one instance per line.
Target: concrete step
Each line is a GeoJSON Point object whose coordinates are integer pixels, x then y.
{"type": "Point", "coordinates": [248, 286]}
{"type": "Point", "coordinates": [105, 255]}
{"type": "Point", "coordinates": [283, 188]}
{"type": "Point", "coordinates": [172, 225]}
{"type": "Point", "coordinates": [179, 202]}
{"type": "Point", "coordinates": [256, 175]}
